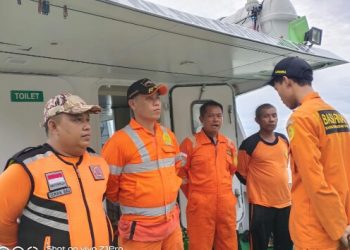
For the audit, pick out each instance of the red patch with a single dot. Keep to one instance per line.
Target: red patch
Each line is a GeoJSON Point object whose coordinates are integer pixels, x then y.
{"type": "Point", "coordinates": [97, 172]}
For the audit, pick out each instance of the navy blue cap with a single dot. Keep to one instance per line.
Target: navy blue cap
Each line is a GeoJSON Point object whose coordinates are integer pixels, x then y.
{"type": "Point", "coordinates": [292, 67]}
{"type": "Point", "coordinates": [145, 87]}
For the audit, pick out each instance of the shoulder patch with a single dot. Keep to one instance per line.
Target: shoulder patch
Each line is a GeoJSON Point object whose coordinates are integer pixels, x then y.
{"type": "Point", "coordinates": [290, 131]}
{"type": "Point", "coordinates": [167, 139]}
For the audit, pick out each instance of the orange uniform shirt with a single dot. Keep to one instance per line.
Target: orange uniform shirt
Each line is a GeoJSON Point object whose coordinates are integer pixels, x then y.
{"type": "Point", "coordinates": [319, 142]}
{"type": "Point", "coordinates": [144, 180]}
{"type": "Point", "coordinates": [209, 168]}
{"type": "Point", "coordinates": [264, 167]}
{"type": "Point", "coordinates": [211, 207]}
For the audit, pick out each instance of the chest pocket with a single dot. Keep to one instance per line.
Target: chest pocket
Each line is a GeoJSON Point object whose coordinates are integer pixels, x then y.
{"type": "Point", "coordinates": [169, 150]}
{"type": "Point", "coordinates": [201, 161]}
{"type": "Point", "coordinates": [173, 180]}
{"type": "Point", "coordinates": [168, 158]}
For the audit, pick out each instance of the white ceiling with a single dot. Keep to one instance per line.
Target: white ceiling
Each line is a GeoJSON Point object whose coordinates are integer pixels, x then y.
{"type": "Point", "coordinates": [102, 40]}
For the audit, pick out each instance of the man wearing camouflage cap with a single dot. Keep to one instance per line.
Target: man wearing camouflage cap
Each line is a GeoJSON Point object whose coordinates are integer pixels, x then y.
{"type": "Point", "coordinates": [51, 195]}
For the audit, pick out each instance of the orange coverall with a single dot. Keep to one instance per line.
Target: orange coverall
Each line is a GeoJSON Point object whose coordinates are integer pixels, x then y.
{"type": "Point", "coordinates": [211, 208]}
{"type": "Point", "coordinates": [144, 181]}
{"type": "Point", "coordinates": [319, 142]}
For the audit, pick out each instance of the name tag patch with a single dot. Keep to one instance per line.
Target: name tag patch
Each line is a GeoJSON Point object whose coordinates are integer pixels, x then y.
{"type": "Point", "coordinates": [97, 172]}
{"type": "Point", "coordinates": [55, 180]}
{"type": "Point", "coordinates": [59, 192]}
{"type": "Point", "coordinates": [333, 121]}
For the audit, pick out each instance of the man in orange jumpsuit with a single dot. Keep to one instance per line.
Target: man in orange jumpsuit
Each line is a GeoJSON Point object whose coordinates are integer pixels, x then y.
{"type": "Point", "coordinates": [262, 166]}
{"type": "Point", "coordinates": [143, 157]}
{"type": "Point", "coordinates": [56, 189]}
{"type": "Point", "coordinates": [319, 142]}
{"type": "Point", "coordinates": [209, 167]}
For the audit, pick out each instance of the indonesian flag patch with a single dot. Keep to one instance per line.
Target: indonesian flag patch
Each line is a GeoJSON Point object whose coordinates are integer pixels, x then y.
{"type": "Point", "coordinates": [55, 180]}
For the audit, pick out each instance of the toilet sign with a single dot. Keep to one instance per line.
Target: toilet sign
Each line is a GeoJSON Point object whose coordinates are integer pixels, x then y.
{"type": "Point", "coordinates": [27, 96]}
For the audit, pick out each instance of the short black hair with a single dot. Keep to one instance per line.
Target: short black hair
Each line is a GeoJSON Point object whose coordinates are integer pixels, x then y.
{"type": "Point", "coordinates": [259, 109]}
{"type": "Point", "coordinates": [210, 103]}
{"type": "Point", "coordinates": [300, 82]}
{"type": "Point", "coordinates": [57, 118]}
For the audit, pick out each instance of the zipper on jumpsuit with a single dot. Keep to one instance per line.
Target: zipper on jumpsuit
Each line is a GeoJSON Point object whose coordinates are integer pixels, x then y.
{"type": "Point", "coordinates": [85, 203]}
{"type": "Point", "coordinates": [216, 171]}
{"type": "Point", "coordinates": [160, 173]}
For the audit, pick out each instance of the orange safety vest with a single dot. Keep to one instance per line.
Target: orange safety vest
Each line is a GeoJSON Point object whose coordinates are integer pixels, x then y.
{"type": "Point", "coordinates": [65, 205]}
{"type": "Point", "coordinates": [144, 181]}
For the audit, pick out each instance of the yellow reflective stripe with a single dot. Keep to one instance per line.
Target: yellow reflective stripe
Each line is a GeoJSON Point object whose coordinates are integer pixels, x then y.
{"type": "Point", "coordinates": [149, 166]}
{"type": "Point", "coordinates": [154, 211]}
{"type": "Point", "coordinates": [115, 170]}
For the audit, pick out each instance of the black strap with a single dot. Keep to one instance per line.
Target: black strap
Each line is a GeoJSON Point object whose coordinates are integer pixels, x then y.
{"type": "Point", "coordinates": [14, 158]}
{"type": "Point", "coordinates": [132, 230]}
{"type": "Point", "coordinates": [241, 178]}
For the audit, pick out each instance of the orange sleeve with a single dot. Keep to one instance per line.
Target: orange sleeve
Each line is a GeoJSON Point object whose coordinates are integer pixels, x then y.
{"type": "Point", "coordinates": [186, 150]}
{"type": "Point", "coordinates": [304, 140]}
{"type": "Point", "coordinates": [15, 189]}
{"type": "Point", "coordinates": [178, 155]}
{"type": "Point", "coordinates": [233, 167]}
{"type": "Point", "coordinates": [243, 163]}
{"type": "Point", "coordinates": [112, 153]}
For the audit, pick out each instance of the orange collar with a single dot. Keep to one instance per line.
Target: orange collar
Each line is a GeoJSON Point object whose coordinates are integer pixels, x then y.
{"type": "Point", "coordinates": [310, 96]}
{"type": "Point", "coordinates": [204, 139]}
{"type": "Point", "coordinates": [135, 125]}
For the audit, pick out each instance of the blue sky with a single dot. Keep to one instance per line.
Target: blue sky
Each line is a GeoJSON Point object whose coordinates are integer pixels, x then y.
{"type": "Point", "coordinates": [333, 84]}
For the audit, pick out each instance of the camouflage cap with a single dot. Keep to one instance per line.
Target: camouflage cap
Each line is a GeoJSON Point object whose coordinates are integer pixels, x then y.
{"type": "Point", "coordinates": [69, 104]}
